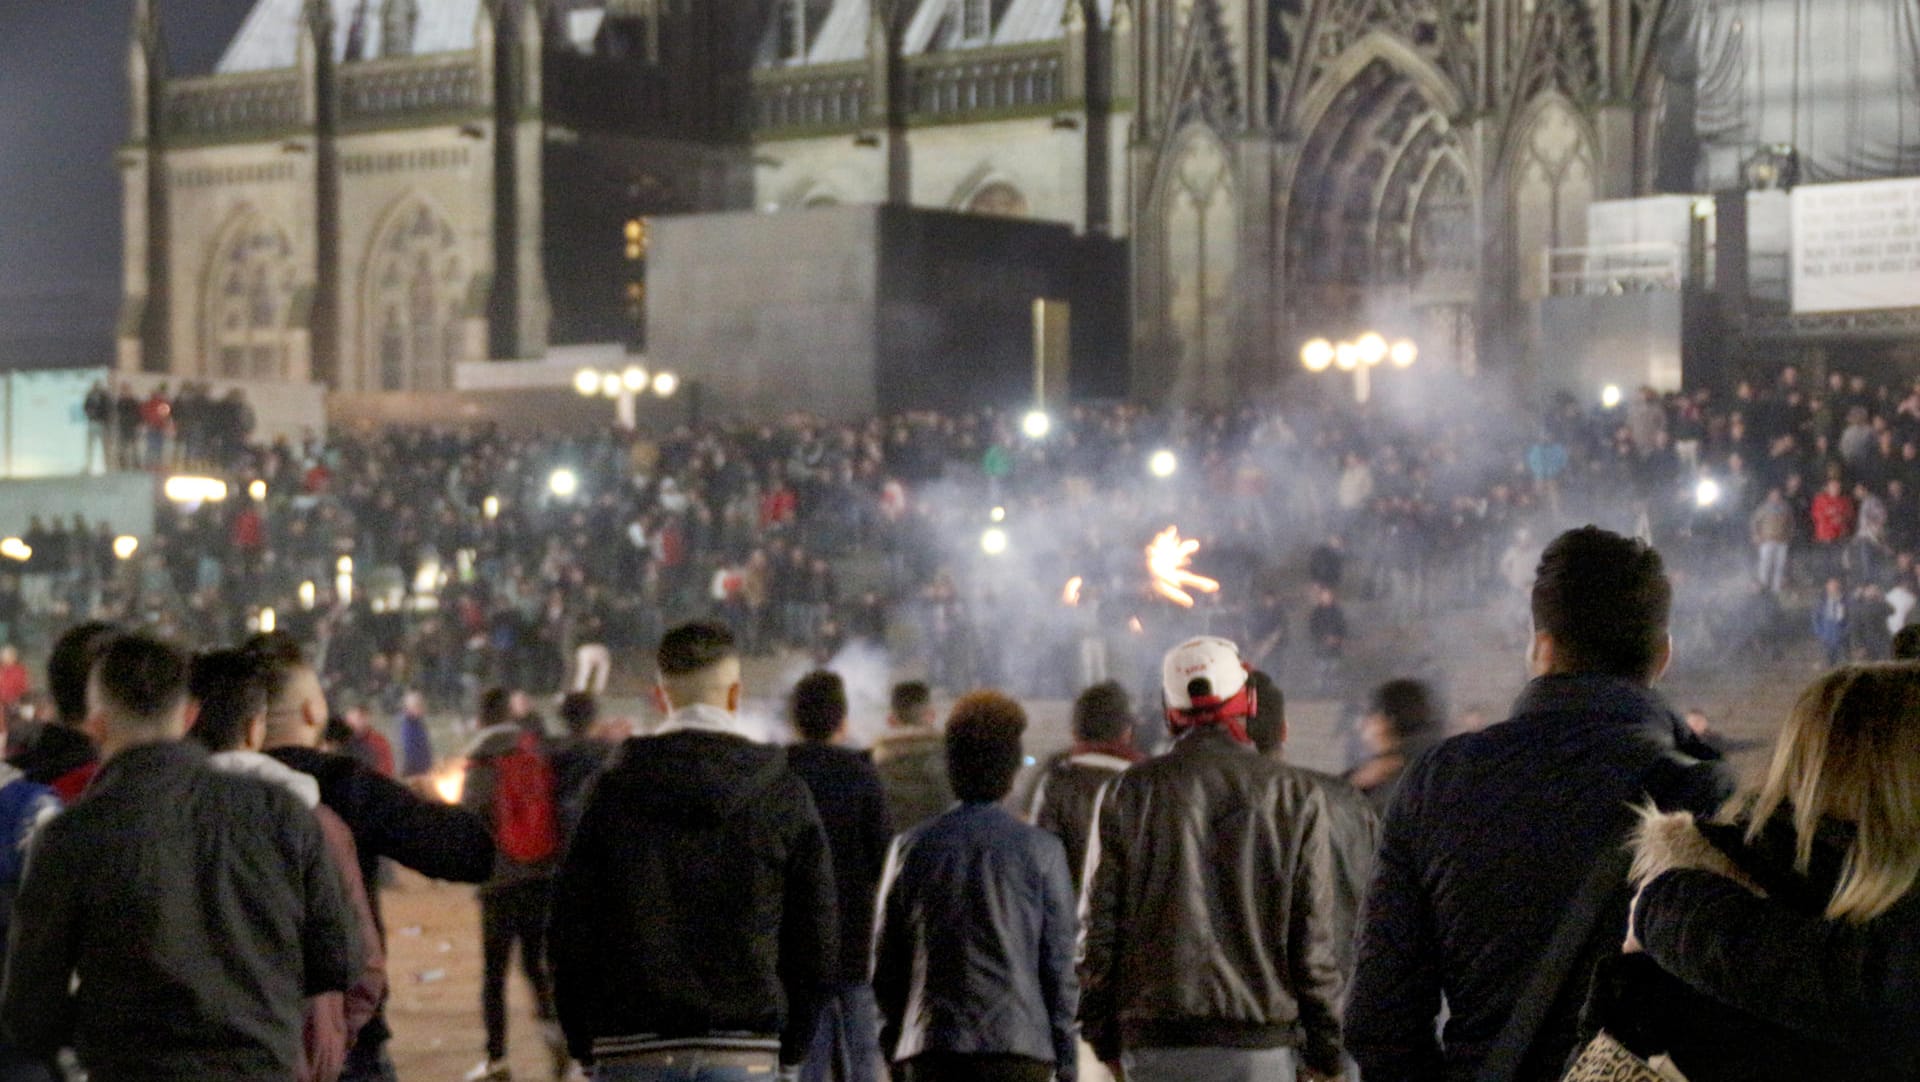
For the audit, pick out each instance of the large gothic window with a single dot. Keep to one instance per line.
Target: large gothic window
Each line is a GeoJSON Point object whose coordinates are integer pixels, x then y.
{"type": "Point", "coordinates": [413, 303]}
{"type": "Point", "coordinates": [1553, 186]}
{"type": "Point", "coordinates": [248, 299]}
{"type": "Point", "coordinates": [1202, 231]}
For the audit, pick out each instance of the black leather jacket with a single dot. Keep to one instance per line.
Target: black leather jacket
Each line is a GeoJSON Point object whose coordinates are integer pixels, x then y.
{"type": "Point", "coordinates": [1209, 915]}
{"type": "Point", "coordinates": [1062, 803]}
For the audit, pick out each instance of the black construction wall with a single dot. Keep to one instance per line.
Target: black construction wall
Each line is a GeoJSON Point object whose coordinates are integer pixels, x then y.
{"type": "Point", "coordinates": [848, 311]}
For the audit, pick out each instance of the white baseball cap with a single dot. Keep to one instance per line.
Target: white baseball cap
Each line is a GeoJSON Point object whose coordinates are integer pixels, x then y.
{"type": "Point", "coordinates": [1202, 672]}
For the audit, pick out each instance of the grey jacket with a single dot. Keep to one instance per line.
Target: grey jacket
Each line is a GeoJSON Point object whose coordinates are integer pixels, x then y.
{"type": "Point", "coordinates": [195, 908]}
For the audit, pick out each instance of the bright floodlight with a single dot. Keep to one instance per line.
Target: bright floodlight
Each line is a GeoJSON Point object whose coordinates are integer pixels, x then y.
{"type": "Point", "coordinates": [15, 549]}
{"type": "Point", "coordinates": [563, 483]}
{"type": "Point", "coordinates": [344, 565]}
{"type": "Point", "coordinates": [665, 383]}
{"type": "Point", "coordinates": [307, 595]}
{"type": "Point", "coordinates": [195, 489]}
{"type": "Point", "coordinates": [490, 507]}
{"type": "Point", "coordinates": [1036, 424]}
{"type": "Point", "coordinates": [634, 378]}
{"type": "Point", "coordinates": [993, 542]}
{"type": "Point", "coordinates": [268, 621]}
{"type": "Point", "coordinates": [610, 385]}
{"type": "Point", "coordinates": [998, 514]}
{"type": "Point", "coordinates": [1317, 355]}
{"type": "Point", "coordinates": [1346, 356]}
{"type": "Point", "coordinates": [1706, 493]}
{"type": "Point", "coordinates": [1372, 347]}
{"type": "Point", "coordinates": [1403, 353]}
{"type": "Point", "coordinates": [1610, 395]}
{"type": "Point", "coordinates": [258, 490]}
{"type": "Point", "coordinates": [587, 382]}
{"type": "Point", "coordinates": [125, 546]}
{"type": "Point", "coordinates": [1162, 464]}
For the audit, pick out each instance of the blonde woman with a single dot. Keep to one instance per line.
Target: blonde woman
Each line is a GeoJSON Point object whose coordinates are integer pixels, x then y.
{"type": "Point", "coordinates": [1783, 940]}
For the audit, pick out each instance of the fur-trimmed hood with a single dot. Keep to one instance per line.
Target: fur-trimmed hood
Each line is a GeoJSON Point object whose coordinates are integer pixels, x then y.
{"type": "Point", "coordinates": [1666, 841]}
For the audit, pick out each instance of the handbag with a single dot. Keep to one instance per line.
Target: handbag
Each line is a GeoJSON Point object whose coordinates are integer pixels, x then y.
{"type": "Point", "coordinates": [1607, 1060]}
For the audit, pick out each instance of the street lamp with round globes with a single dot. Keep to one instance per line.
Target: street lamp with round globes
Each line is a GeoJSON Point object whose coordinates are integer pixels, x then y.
{"type": "Point", "coordinates": [993, 541]}
{"type": "Point", "coordinates": [587, 382]}
{"type": "Point", "coordinates": [634, 378]}
{"type": "Point", "coordinates": [1317, 355]}
{"type": "Point", "coordinates": [1036, 424]}
{"type": "Point", "coordinates": [665, 383]}
{"type": "Point", "coordinates": [611, 385]}
{"type": "Point", "coordinates": [1162, 464]}
{"type": "Point", "coordinates": [1403, 353]}
{"type": "Point", "coordinates": [1372, 349]}
{"type": "Point", "coordinates": [563, 483]}
{"type": "Point", "coordinates": [1346, 356]}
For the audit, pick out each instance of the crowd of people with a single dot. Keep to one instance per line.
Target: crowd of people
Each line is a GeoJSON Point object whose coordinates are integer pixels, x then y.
{"type": "Point", "coordinates": [1581, 891]}
{"type": "Point", "coordinates": [446, 562]}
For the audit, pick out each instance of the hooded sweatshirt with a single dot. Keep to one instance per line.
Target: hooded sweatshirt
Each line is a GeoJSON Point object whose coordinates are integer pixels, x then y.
{"type": "Point", "coordinates": [696, 904]}
{"type": "Point", "coordinates": [332, 1019]}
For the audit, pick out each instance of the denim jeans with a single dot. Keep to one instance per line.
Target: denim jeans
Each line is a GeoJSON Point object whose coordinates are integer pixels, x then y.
{"type": "Point", "coordinates": [1211, 1064]}
{"type": "Point", "coordinates": [846, 1043]}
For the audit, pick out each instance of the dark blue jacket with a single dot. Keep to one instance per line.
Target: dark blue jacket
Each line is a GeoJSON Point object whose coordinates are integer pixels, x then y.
{"type": "Point", "coordinates": [974, 949]}
{"type": "Point", "coordinates": [853, 809]}
{"type": "Point", "coordinates": [1487, 843]}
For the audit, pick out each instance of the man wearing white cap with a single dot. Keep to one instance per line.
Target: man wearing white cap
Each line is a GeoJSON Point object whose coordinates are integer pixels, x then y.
{"type": "Point", "coordinates": [1208, 947]}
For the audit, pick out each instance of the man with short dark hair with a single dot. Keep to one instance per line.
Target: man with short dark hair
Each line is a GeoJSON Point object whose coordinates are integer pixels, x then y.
{"type": "Point", "coordinates": [578, 757]}
{"type": "Point", "coordinates": [1494, 835]}
{"type": "Point", "coordinates": [1063, 801]}
{"type": "Point", "coordinates": [229, 695]}
{"type": "Point", "coordinates": [693, 921]}
{"type": "Point", "coordinates": [846, 791]}
{"type": "Point", "coordinates": [62, 756]}
{"type": "Point", "coordinates": [973, 957]}
{"type": "Point", "coordinates": [388, 820]}
{"type": "Point", "coordinates": [171, 923]}
{"type": "Point", "coordinates": [1352, 827]}
{"type": "Point", "coordinates": [1208, 948]}
{"type": "Point", "coordinates": [912, 759]}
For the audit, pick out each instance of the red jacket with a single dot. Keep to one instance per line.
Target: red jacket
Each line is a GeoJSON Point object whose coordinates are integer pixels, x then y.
{"type": "Point", "coordinates": [1832, 518]}
{"type": "Point", "coordinates": [13, 683]}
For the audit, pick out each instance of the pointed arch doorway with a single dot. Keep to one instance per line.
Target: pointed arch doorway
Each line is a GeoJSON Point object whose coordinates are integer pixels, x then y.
{"type": "Point", "coordinates": [1382, 212]}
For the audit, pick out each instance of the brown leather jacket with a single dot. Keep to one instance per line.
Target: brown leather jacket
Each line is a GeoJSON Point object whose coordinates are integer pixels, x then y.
{"type": "Point", "coordinates": [1209, 921]}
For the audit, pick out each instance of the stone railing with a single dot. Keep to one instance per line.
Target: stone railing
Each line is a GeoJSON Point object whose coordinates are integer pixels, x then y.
{"type": "Point", "coordinates": [941, 86]}
{"type": "Point", "coordinates": [386, 89]}
{"type": "Point", "coordinates": [822, 97]}
{"type": "Point", "coordinates": [228, 106]}
{"type": "Point", "coordinates": [955, 84]}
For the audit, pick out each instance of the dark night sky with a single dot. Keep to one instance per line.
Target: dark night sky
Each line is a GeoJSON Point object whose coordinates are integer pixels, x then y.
{"type": "Point", "coordinates": [62, 114]}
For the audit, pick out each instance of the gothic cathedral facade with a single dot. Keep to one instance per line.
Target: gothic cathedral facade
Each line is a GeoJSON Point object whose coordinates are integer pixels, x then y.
{"type": "Point", "coordinates": [367, 193]}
